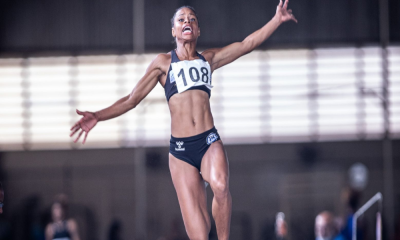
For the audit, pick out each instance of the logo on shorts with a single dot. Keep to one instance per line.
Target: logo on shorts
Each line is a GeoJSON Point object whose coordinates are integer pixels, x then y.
{"type": "Point", "coordinates": [171, 77]}
{"type": "Point", "coordinates": [212, 137]}
{"type": "Point", "coordinates": [179, 148]}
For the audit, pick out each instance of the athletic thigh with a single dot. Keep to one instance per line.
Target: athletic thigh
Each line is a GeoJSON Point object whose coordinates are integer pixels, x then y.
{"type": "Point", "coordinates": [215, 166]}
{"type": "Point", "coordinates": [190, 188]}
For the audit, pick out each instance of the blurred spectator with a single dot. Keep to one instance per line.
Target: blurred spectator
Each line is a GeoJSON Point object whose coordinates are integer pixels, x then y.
{"type": "Point", "coordinates": [4, 225]}
{"type": "Point", "coordinates": [1, 198]}
{"type": "Point", "coordinates": [61, 227]}
{"type": "Point", "coordinates": [325, 227]}
{"type": "Point", "coordinates": [351, 199]}
{"type": "Point", "coordinates": [281, 228]}
{"type": "Point", "coordinates": [115, 231]}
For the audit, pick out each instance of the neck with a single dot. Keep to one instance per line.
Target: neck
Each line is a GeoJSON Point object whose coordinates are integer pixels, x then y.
{"type": "Point", "coordinates": [186, 50]}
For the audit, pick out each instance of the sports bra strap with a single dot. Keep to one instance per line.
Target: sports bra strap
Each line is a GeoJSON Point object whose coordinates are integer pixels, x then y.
{"type": "Point", "coordinates": [201, 57]}
{"type": "Point", "coordinates": [176, 59]}
{"type": "Point", "coordinates": [174, 56]}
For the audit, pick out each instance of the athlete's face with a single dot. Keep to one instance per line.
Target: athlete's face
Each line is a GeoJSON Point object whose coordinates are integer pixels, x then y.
{"type": "Point", "coordinates": [186, 26]}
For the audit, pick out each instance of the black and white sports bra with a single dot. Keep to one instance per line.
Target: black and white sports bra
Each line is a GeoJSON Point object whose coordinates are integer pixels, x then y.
{"type": "Point", "coordinates": [187, 75]}
{"type": "Point", "coordinates": [61, 233]}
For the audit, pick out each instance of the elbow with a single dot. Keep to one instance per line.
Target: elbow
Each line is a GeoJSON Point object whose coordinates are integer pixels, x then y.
{"type": "Point", "coordinates": [132, 102]}
{"type": "Point", "coordinates": [248, 46]}
{"type": "Point", "coordinates": [247, 51]}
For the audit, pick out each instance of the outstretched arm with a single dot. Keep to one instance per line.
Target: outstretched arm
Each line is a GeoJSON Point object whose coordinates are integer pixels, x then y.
{"type": "Point", "coordinates": [219, 57]}
{"type": "Point", "coordinates": [141, 90]}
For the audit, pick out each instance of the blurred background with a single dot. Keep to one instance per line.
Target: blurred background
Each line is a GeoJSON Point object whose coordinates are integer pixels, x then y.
{"type": "Point", "coordinates": [310, 120]}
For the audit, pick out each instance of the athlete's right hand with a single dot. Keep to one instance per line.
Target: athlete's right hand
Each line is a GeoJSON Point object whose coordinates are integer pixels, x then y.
{"type": "Point", "coordinates": [87, 122]}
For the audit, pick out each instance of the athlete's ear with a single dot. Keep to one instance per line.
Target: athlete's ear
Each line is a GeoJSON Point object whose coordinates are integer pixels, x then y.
{"type": "Point", "coordinates": [173, 32]}
{"type": "Point", "coordinates": [199, 31]}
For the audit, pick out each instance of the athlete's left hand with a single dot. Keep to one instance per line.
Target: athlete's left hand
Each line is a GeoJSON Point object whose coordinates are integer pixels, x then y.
{"type": "Point", "coordinates": [284, 14]}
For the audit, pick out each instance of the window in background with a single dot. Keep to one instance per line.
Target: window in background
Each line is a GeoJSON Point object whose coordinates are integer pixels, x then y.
{"type": "Point", "coordinates": [265, 96]}
{"type": "Point", "coordinates": [394, 90]}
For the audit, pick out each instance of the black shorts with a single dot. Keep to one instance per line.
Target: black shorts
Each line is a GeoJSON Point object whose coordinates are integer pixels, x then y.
{"type": "Point", "coordinates": [192, 149]}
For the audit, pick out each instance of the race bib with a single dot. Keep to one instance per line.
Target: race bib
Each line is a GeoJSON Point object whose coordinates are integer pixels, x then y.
{"type": "Point", "coordinates": [187, 74]}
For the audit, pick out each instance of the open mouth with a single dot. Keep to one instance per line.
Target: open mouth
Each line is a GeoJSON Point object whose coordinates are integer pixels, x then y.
{"type": "Point", "coordinates": [187, 29]}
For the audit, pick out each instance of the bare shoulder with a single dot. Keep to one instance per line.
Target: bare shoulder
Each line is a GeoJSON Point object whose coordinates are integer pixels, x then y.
{"type": "Point", "coordinates": [161, 61]}
{"type": "Point", "coordinates": [49, 229]}
{"type": "Point", "coordinates": [163, 57]}
{"type": "Point", "coordinates": [71, 224]}
{"type": "Point", "coordinates": [209, 54]}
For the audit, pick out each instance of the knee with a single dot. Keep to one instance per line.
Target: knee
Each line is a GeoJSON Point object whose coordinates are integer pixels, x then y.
{"type": "Point", "coordinates": [220, 187]}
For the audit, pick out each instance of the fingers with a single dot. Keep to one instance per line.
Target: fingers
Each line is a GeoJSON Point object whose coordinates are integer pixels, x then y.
{"type": "Point", "coordinates": [80, 134]}
{"type": "Point", "coordinates": [79, 112]}
{"type": "Point", "coordinates": [84, 139]}
{"type": "Point", "coordinates": [280, 4]}
{"type": "Point", "coordinates": [77, 138]}
{"type": "Point", "coordinates": [291, 15]}
{"type": "Point", "coordinates": [286, 4]}
{"type": "Point", "coordinates": [74, 130]}
{"type": "Point", "coordinates": [75, 125]}
{"type": "Point", "coordinates": [293, 18]}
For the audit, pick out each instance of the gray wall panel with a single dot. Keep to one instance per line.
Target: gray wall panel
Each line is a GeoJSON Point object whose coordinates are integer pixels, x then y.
{"type": "Point", "coordinates": [84, 27]}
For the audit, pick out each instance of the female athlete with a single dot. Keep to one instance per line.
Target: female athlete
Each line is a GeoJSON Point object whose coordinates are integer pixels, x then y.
{"type": "Point", "coordinates": [61, 228]}
{"type": "Point", "coordinates": [196, 150]}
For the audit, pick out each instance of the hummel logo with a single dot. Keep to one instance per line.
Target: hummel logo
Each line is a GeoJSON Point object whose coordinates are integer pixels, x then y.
{"type": "Point", "coordinates": [171, 77]}
{"type": "Point", "coordinates": [179, 144]}
{"type": "Point", "coordinates": [212, 137]}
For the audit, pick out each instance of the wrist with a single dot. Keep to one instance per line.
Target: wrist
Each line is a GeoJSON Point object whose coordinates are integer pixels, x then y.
{"type": "Point", "coordinates": [96, 116]}
{"type": "Point", "coordinates": [277, 19]}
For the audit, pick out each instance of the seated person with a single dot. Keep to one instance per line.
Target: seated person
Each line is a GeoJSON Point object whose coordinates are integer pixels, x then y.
{"type": "Point", "coordinates": [61, 228]}
{"type": "Point", "coordinates": [325, 227]}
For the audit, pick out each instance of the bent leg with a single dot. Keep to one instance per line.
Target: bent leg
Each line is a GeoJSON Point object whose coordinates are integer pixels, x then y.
{"type": "Point", "coordinates": [189, 186]}
{"type": "Point", "coordinates": [215, 170]}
